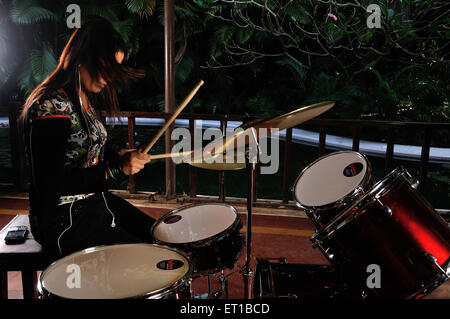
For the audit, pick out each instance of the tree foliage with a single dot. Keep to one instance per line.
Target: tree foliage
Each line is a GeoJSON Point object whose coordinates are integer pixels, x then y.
{"type": "Point", "coordinates": [263, 57]}
{"type": "Point", "coordinates": [371, 72]}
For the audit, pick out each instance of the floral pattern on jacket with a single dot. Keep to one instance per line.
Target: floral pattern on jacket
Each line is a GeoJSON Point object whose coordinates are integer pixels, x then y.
{"type": "Point", "coordinates": [85, 148]}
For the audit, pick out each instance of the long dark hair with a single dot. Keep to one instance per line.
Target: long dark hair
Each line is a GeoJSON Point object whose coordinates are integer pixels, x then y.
{"type": "Point", "coordinates": [94, 46]}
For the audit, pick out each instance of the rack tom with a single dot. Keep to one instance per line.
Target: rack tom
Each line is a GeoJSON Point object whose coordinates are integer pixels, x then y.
{"type": "Point", "coordinates": [330, 184]}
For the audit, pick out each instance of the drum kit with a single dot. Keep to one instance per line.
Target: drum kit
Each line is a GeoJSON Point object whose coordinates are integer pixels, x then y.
{"type": "Point", "coordinates": [358, 223]}
{"type": "Point", "coordinates": [361, 225]}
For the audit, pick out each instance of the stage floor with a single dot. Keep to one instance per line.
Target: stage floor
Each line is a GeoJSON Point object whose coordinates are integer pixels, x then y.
{"type": "Point", "coordinates": [274, 236]}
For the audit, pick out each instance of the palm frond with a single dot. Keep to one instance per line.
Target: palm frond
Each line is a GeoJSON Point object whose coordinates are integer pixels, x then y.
{"type": "Point", "coordinates": [183, 14]}
{"type": "Point", "coordinates": [105, 12]}
{"type": "Point", "coordinates": [39, 65]}
{"type": "Point", "coordinates": [125, 28]}
{"type": "Point", "coordinates": [221, 36]}
{"type": "Point", "coordinates": [184, 69]}
{"type": "Point", "coordinates": [144, 8]}
{"type": "Point", "coordinates": [299, 74]}
{"type": "Point", "coordinates": [27, 12]}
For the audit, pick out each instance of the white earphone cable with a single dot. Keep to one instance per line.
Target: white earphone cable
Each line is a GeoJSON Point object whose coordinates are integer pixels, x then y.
{"type": "Point", "coordinates": [113, 224]}
{"type": "Point", "coordinates": [70, 225]}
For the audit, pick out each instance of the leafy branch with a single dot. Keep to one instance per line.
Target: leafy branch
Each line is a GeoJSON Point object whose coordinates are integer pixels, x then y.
{"type": "Point", "coordinates": [417, 31]}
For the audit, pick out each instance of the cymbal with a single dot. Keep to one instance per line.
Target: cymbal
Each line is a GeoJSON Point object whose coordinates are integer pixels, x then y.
{"type": "Point", "coordinates": [263, 128]}
{"type": "Point", "coordinates": [292, 118]}
{"type": "Point", "coordinates": [260, 128]}
{"type": "Point", "coordinates": [221, 162]}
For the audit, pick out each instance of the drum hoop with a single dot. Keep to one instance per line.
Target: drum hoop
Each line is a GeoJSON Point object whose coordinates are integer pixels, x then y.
{"type": "Point", "coordinates": [350, 197]}
{"type": "Point", "coordinates": [236, 225]}
{"type": "Point", "coordinates": [154, 294]}
{"type": "Point", "coordinates": [378, 190]}
{"type": "Point", "coordinates": [432, 284]}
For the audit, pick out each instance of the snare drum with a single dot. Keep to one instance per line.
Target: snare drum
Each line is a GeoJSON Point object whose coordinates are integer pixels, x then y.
{"type": "Point", "coordinates": [118, 271]}
{"type": "Point", "coordinates": [330, 184]}
{"type": "Point", "coordinates": [392, 230]}
{"type": "Point", "coordinates": [209, 233]}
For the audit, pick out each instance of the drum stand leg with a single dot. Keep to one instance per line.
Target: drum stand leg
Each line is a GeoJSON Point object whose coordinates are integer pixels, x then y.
{"type": "Point", "coordinates": [209, 286]}
{"type": "Point", "coordinates": [224, 283]}
{"type": "Point", "coordinates": [223, 290]}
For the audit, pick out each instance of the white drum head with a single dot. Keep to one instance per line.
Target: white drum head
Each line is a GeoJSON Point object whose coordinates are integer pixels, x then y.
{"type": "Point", "coordinates": [117, 271]}
{"type": "Point", "coordinates": [194, 223]}
{"type": "Point", "coordinates": [330, 178]}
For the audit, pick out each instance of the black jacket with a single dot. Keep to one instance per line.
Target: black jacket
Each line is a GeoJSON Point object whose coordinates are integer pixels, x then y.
{"type": "Point", "coordinates": [54, 170]}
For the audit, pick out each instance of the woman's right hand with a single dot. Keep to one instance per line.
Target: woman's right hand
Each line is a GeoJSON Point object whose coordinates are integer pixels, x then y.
{"type": "Point", "coordinates": [133, 160]}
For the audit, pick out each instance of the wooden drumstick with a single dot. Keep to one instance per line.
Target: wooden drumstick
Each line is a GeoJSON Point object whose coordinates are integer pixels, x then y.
{"type": "Point", "coordinates": [174, 116]}
{"type": "Point", "coordinates": [166, 155]}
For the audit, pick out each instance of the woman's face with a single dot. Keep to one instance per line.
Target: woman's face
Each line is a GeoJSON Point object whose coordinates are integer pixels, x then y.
{"type": "Point", "coordinates": [92, 84]}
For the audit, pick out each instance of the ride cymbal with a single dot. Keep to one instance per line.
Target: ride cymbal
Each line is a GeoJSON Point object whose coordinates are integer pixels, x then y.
{"type": "Point", "coordinates": [249, 132]}
{"type": "Point", "coordinates": [272, 125]}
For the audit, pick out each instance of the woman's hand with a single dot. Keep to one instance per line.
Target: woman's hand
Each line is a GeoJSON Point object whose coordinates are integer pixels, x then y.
{"type": "Point", "coordinates": [133, 160]}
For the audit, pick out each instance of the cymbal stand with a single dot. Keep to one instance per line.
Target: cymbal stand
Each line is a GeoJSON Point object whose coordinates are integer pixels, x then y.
{"type": "Point", "coordinates": [246, 271]}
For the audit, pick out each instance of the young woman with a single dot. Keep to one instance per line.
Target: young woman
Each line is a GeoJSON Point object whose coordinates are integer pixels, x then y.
{"type": "Point", "coordinates": [70, 164]}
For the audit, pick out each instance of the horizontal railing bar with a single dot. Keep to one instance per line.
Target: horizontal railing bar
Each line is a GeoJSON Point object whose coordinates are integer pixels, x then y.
{"type": "Point", "coordinates": [321, 121]}
{"type": "Point", "coordinates": [333, 122]}
{"type": "Point", "coordinates": [186, 116]}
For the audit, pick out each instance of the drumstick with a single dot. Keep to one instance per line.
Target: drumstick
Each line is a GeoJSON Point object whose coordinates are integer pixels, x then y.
{"type": "Point", "coordinates": [182, 106]}
{"type": "Point", "coordinates": [166, 155]}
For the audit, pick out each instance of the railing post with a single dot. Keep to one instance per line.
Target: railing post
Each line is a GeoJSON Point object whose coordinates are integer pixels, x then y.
{"type": "Point", "coordinates": [322, 140]}
{"type": "Point", "coordinates": [169, 98]}
{"type": "Point", "coordinates": [425, 156]}
{"type": "Point", "coordinates": [356, 138]}
{"type": "Point", "coordinates": [286, 164]}
{"type": "Point", "coordinates": [389, 150]}
{"type": "Point", "coordinates": [131, 181]}
{"type": "Point", "coordinates": [192, 169]}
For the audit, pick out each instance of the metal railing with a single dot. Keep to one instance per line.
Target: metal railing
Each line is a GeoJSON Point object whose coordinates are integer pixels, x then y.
{"type": "Point", "coordinates": [322, 125]}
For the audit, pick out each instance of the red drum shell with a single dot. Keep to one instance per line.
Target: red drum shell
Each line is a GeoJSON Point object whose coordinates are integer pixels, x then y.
{"type": "Point", "coordinates": [393, 226]}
